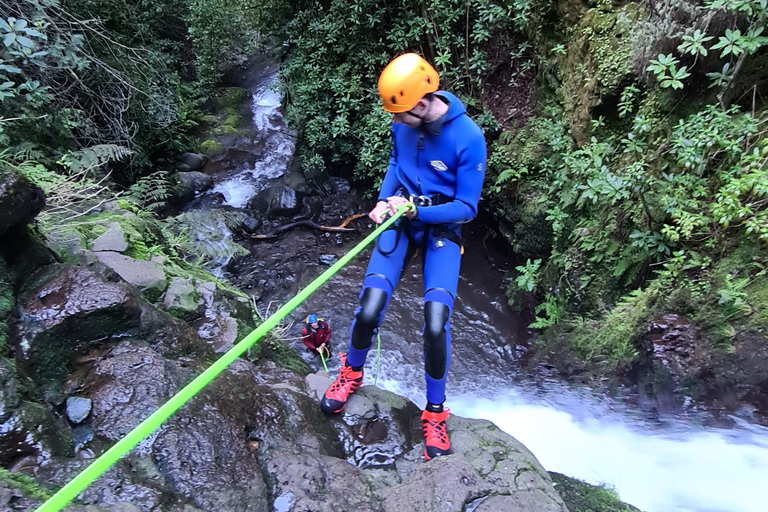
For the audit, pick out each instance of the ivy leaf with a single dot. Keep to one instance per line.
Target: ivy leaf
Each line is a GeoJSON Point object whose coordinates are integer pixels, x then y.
{"type": "Point", "coordinates": [9, 39]}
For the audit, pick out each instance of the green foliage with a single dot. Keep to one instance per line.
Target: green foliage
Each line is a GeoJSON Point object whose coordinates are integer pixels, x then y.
{"type": "Point", "coordinates": [528, 275]}
{"type": "Point", "coordinates": [338, 50]}
{"type": "Point", "coordinates": [151, 192]}
{"type": "Point", "coordinates": [665, 69]}
{"type": "Point", "coordinates": [68, 84]}
{"type": "Point", "coordinates": [204, 235]}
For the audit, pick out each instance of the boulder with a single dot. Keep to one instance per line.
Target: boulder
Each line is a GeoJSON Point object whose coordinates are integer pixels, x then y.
{"type": "Point", "coordinates": [189, 184]}
{"type": "Point", "coordinates": [78, 409]}
{"type": "Point", "coordinates": [20, 200]}
{"type": "Point", "coordinates": [66, 310]}
{"type": "Point", "coordinates": [195, 161]}
{"type": "Point", "coordinates": [277, 201]}
{"type": "Point", "coordinates": [147, 276]}
{"type": "Point", "coordinates": [182, 300]}
{"type": "Point", "coordinates": [112, 240]}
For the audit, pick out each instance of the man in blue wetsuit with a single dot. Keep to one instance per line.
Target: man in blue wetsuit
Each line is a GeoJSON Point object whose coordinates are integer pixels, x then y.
{"type": "Point", "coordinates": [438, 164]}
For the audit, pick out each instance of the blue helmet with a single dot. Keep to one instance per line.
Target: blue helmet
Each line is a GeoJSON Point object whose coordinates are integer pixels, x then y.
{"type": "Point", "coordinates": [311, 319]}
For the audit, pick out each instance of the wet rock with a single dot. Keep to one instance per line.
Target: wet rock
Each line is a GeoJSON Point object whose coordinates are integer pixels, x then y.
{"type": "Point", "coordinates": [182, 300]}
{"type": "Point", "coordinates": [20, 200]}
{"type": "Point", "coordinates": [673, 344]}
{"type": "Point", "coordinates": [313, 207]}
{"type": "Point", "coordinates": [131, 485]}
{"type": "Point", "coordinates": [112, 240]}
{"type": "Point", "coordinates": [188, 186]}
{"type": "Point", "coordinates": [78, 409]}
{"type": "Point", "coordinates": [126, 385]}
{"type": "Point", "coordinates": [82, 435]}
{"type": "Point", "coordinates": [147, 276]}
{"type": "Point", "coordinates": [340, 185]}
{"type": "Point", "coordinates": [277, 201]}
{"type": "Point", "coordinates": [251, 224]}
{"type": "Point", "coordinates": [195, 161]}
{"type": "Point", "coordinates": [9, 389]}
{"type": "Point", "coordinates": [327, 259]}
{"type": "Point", "coordinates": [66, 311]}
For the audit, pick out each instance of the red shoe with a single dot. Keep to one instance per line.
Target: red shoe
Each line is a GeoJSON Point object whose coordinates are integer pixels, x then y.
{"type": "Point", "coordinates": [435, 434]}
{"type": "Point", "coordinates": [347, 382]}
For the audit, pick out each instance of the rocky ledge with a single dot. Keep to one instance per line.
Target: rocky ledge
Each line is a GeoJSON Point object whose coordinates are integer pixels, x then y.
{"type": "Point", "coordinates": [255, 440]}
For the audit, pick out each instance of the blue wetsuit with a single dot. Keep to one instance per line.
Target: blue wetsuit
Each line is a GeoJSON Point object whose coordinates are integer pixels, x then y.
{"type": "Point", "coordinates": [446, 160]}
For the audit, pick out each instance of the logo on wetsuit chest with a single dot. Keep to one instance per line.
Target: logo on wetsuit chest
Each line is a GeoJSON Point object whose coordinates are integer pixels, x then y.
{"type": "Point", "coordinates": [438, 165]}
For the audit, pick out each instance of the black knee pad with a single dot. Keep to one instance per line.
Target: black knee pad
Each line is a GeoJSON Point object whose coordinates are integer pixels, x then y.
{"type": "Point", "coordinates": [436, 315]}
{"type": "Point", "coordinates": [367, 319]}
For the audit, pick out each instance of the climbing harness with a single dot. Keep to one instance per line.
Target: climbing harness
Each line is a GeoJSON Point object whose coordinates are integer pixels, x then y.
{"type": "Point", "coordinates": [146, 427]}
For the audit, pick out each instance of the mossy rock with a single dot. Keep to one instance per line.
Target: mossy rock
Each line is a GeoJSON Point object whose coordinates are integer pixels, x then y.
{"type": "Point", "coordinates": [25, 484]}
{"type": "Point", "coordinates": [281, 353]}
{"type": "Point", "coordinates": [211, 147]}
{"type": "Point", "coordinates": [583, 497]}
{"type": "Point", "coordinates": [232, 98]}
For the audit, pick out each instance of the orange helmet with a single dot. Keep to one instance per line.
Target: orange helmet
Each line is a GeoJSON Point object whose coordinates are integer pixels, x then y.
{"type": "Point", "coordinates": [405, 81]}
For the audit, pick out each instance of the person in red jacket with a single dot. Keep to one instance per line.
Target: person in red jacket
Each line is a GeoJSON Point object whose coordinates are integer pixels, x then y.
{"type": "Point", "coordinates": [317, 336]}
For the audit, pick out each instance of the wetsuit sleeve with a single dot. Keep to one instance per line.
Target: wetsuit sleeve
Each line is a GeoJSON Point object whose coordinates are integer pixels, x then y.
{"type": "Point", "coordinates": [469, 183]}
{"type": "Point", "coordinates": [307, 339]}
{"type": "Point", "coordinates": [390, 185]}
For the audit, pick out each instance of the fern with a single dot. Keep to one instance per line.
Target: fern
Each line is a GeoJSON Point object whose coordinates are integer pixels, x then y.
{"type": "Point", "coordinates": [151, 192]}
{"type": "Point", "coordinates": [205, 235]}
{"type": "Point", "coordinates": [93, 157]}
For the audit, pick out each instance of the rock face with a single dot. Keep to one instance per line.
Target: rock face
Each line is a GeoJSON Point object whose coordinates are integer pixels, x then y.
{"type": "Point", "coordinates": [20, 201]}
{"type": "Point", "coordinates": [255, 440]}
{"type": "Point", "coordinates": [68, 310]}
{"type": "Point", "coordinates": [277, 201]}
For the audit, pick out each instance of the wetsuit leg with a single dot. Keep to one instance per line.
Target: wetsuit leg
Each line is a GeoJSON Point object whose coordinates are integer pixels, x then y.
{"type": "Point", "coordinates": [441, 278]}
{"type": "Point", "coordinates": [382, 276]}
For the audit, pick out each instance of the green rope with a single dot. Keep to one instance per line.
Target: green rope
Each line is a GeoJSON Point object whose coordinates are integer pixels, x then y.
{"type": "Point", "coordinates": [322, 358]}
{"type": "Point", "coordinates": [146, 427]}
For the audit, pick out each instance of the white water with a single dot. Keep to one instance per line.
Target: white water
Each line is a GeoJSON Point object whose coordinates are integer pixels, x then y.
{"type": "Point", "coordinates": [240, 187]}
{"type": "Point", "coordinates": [672, 467]}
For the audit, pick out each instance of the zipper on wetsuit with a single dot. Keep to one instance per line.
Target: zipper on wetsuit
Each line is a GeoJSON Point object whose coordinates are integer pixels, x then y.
{"type": "Point", "coordinates": [419, 147]}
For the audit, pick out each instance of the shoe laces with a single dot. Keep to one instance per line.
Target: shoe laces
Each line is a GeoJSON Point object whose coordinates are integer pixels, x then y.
{"type": "Point", "coordinates": [435, 431]}
{"type": "Point", "coordinates": [346, 377]}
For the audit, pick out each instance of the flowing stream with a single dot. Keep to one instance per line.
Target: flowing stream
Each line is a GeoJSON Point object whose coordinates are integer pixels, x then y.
{"type": "Point", "coordinates": [670, 463]}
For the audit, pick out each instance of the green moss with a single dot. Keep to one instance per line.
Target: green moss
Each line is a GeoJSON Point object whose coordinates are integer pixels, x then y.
{"type": "Point", "coordinates": [211, 147]}
{"type": "Point", "coordinates": [582, 497]}
{"type": "Point", "coordinates": [232, 98]}
{"type": "Point", "coordinates": [758, 293]}
{"type": "Point", "coordinates": [610, 340]}
{"type": "Point", "coordinates": [233, 120]}
{"type": "Point", "coordinates": [25, 484]}
{"type": "Point", "coordinates": [281, 353]}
